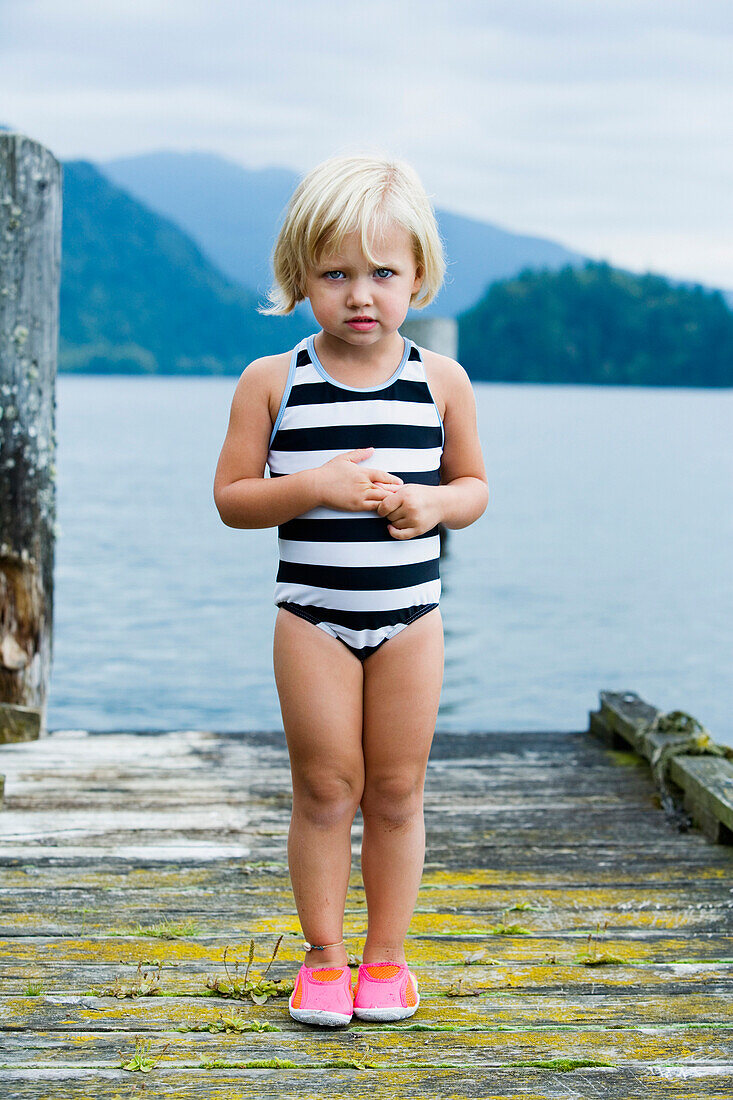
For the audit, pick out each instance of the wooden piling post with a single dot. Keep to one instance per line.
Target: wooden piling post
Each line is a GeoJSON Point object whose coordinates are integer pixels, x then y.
{"type": "Point", "coordinates": [30, 263]}
{"type": "Point", "coordinates": [438, 334]}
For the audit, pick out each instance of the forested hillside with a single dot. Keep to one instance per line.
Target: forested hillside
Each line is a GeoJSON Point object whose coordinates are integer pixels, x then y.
{"type": "Point", "coordinates": [138, 295]}
{"type": "Point", "coordinates": [597, 324]}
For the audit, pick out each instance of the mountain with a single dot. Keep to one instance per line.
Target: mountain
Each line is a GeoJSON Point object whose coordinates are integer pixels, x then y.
{"type": "Point", "coordinates": [598, 325]}
{"type": "Point", "coordinates": [138, 295]}
{"type": "Point", "coordinates": [234, 214]}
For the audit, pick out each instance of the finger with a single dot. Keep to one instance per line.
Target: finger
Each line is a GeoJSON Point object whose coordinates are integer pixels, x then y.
{"type": "Point", "coordinates": [402, 532]}
{"type": "Point", "coordinates": [381, 475]}
{"type": "Point", "coordinates": [358, 455]}
{"type": "Point", "coordinates": [388, 488]}
{"type": "Point", "coordinates": [389, 506]}
{"type": "Point", "coordinates": [394, 507]}
{"type": "Point", "coordinates": [377, 492]}
{"type": "Point", "coordinates": [386, 502]}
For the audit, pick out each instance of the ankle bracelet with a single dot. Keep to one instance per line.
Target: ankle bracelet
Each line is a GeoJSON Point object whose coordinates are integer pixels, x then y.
{"type": "Point", "coordinates": [320, 947]}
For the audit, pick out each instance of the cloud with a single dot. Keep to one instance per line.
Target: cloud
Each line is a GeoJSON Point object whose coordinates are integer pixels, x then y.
{"type": "Point", "coordinates": [604, 125]}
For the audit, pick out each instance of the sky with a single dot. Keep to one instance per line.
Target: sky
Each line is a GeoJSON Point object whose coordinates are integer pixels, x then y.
{"type": "Point", "coordinates": [606, 125]}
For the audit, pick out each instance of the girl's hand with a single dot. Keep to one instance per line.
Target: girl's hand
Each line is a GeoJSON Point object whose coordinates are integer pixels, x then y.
{"type": "Point", "coordinates": [411, 510]}
{"type": "Point", "coordinates": [346, 485]}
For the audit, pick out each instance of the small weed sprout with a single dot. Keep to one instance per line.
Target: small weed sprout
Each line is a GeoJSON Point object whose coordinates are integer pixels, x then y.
{"type": "Point", "coordinates": [363, 1061]}
{"type": "Point", "coordinates": [510, 930]}
{"type": "Point", "coordinates": [480, 957]}
{"type": "Point", "coordinates": [593, 958]}
{"type": "Point", "coordinates": [462, 988]}
{"type": "Point", "coordinates": [145, 983]}
{"type": "Point", "coordinates": [253, 984]}
{"type": "Point", "coordinates": [232, 1022]}
{"type": "Point", "coordinates": [164, 930]}
{"type": "Point", "coordinates": [34, 988]}
{"type": "Point", "coordinates": [141, 1061]}
{"type": "Point", "coordinates": [170, 930]}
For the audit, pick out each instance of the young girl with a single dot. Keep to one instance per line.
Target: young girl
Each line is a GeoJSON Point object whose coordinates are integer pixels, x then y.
{"type": "Point", "coordinates": [371, 442]}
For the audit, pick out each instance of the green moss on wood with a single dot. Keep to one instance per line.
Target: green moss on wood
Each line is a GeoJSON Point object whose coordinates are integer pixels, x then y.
{"type": "Point", "coordinates": [562, 1065]}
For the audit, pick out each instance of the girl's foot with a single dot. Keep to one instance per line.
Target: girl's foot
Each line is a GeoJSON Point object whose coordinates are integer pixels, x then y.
{"type": "Point", "coordinates": [385, 991]}
{"type": "Point", "coordinates": [322, 996]}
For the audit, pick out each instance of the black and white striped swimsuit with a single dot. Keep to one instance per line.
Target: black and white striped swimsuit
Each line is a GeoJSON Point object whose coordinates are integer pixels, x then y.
{"type": "Point", "coordinates": [342, 570]}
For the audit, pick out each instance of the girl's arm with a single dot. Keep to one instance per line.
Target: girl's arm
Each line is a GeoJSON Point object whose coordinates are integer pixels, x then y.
{"type": "Point", "coordinates": [464, 489]}
{"type": "Point", "coordinates": [463, 493]}
{"type": "Point", "coordinates": [244, 497]}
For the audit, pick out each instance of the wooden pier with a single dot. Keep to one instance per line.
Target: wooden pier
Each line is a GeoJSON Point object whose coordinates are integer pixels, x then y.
{"type": "Point", "coordinates": [570, 939]}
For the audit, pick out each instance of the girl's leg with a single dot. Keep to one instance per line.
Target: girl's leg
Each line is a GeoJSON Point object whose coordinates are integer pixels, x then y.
{"type": "Point", "coordinates": [320, 684]}
{"type": "Point", "coordinates": [402, 682]}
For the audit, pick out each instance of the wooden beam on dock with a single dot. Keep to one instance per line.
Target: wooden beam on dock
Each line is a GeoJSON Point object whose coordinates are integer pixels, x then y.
{"type": "Point", "coordinates": [569, 940]}
{"type": "Point", "coordinates": [19, 723]}
{"type": "Point", "coordinates": [691, 769]}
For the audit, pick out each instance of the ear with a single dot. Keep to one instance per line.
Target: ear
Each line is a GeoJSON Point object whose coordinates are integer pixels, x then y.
{"type": "Point", "coordinates": [419, 276]}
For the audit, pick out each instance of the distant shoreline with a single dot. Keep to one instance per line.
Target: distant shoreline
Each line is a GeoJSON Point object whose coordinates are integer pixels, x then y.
{"type": "Point", "coordinates": [61, 373]}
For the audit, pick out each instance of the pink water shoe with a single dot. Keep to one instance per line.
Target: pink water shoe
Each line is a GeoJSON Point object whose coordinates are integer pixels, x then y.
{"type": "Point", "coordinates": [322, 996]}
{"type": "Point", "coordinates": [385, 991]}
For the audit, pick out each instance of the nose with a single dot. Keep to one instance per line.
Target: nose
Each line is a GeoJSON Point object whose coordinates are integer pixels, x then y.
{"type": "Point", "coordinates": [360, 291]}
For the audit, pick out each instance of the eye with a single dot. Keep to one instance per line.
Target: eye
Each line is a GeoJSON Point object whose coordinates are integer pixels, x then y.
{"type": "Point", "coordinates": [328, 275]}
{"type": "Point", "coordinates": [387, 270]}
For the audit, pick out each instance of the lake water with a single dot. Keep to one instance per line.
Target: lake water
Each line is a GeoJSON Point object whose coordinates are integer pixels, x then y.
{"type": "Point", "coordinates": [602, 561]}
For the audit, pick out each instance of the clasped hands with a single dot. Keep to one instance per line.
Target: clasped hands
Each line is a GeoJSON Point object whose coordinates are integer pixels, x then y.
{"type": "Point", "coordinates": [411, 510]}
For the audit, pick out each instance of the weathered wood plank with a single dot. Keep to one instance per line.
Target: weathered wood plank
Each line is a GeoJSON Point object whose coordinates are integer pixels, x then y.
{"type": "Point", "coordinates": [630, 1045]}
{"type": "Point", "coordinates": [708, 786]}
{"type": "Point", "coordinates": [706, 867]}
{"type": "Point", "coordinates": [706, 780]}
{"type": "Point", "coordinates": [514, 1008]}
{"type": "Point", "coordinates": [626, 715]}
{"type": "Point", "coordinates": [62, 912]}
{"type": "Point", "coordinates": [184, 977]}
{"type": "Point", "coordinates": [72, 910]}
{"type": "Point", "coordinates": [633, 947]}
{"type": "Point", "coordinates": [681, 1081]}
{"type": "Point", "coordinates": [19, 723]}
{"type": "Point", "coordinates": [124, 921]}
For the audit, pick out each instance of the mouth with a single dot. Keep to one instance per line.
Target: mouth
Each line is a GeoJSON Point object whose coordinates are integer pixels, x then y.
{"type": "Point", "coordinates": [361, 322]}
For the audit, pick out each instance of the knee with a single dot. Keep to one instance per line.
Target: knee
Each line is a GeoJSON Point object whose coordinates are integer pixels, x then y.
{"type": "Point", "coordinates": [395, 800]}
{"type": "Point", "coordinates": [327, 799]}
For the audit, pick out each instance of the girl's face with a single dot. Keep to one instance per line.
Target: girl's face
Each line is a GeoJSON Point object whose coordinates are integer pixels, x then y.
{"type": "Point", "coordinates": [359, 302]}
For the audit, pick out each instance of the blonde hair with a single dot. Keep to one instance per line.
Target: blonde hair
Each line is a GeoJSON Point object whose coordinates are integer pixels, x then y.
{"type": "Point", "coordinates": [347, 194]}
